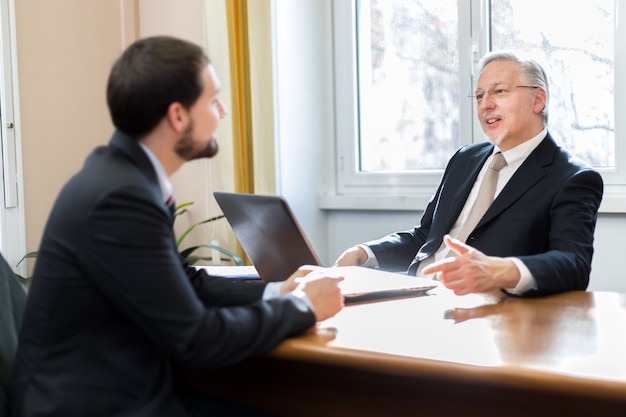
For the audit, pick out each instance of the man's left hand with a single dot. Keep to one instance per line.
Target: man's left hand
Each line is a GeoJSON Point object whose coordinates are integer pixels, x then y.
{"type": "Point", "coordinates": [472, 271]}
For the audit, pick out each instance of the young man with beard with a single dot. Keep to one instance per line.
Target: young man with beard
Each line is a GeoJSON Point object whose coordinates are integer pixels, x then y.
{"type": "Point", "coordinates": [113, 307]}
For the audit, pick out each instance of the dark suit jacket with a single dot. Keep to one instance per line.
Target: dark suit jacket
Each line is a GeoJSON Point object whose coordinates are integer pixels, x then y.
{"type": "Point", "coordinates": [545, 215]}
{"type": "Point", "coordinates": [112, 304]}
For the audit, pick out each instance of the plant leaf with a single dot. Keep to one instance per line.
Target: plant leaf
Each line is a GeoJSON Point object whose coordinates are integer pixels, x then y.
{"type": "Point", "coordinates": [180, 208]}
{"type": "Point", "coordinates": [193, 226]}
{"type": "Point", "coordinates": [23, 280]}
{"type": "Point", "coordinates": [187, 252]}
{"type": "Point", "coordinates": [27, 256]}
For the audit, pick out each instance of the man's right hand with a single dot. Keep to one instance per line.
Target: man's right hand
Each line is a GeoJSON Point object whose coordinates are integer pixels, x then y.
{"type": "Point", "coordinates": [324, 293]}
{"type": "Point", "coordinates": [354, 256]}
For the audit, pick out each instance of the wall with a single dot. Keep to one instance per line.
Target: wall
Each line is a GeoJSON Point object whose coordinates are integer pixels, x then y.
{"type": "Point", "coordinates": [303, 109]}
{"type": "Point", "coordinates": [202, 22]}
{"type": "Point", "coordinates": [65, 49]}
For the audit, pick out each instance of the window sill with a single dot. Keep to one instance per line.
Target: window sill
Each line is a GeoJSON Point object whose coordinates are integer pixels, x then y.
{"type": "Point", "coordinates": [611, 203]}
{"type": "Point", "coordinates": [373, 202]}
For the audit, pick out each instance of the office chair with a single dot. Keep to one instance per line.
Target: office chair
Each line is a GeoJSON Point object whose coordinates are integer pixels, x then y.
{"type": "Point", "coordinates": [12, 301]}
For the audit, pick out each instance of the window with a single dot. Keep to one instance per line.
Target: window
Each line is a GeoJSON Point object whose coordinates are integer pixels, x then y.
{"type": "Point", "coordinates": [408, 84]}
{"type": "Point", "coordinates": [403, 71]}
{"type": "Point", "coordinates": [578, 56]}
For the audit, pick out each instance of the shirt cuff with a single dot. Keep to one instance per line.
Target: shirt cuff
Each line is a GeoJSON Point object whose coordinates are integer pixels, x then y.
{"type": "Point", "coordinates": [272, 290]}
{"type": "Point", "coordinates": [302, 295]}
{"type": "Point", "coordinates": [371, 262]}
{"type": "Point", "coordinates": [526, 282]}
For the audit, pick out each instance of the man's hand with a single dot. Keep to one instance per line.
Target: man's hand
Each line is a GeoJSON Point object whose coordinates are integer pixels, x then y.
{"type": "Point", "coordinates": [325, 295]}
{"type": "Point", "coordinates": [473, 271]}
{"type": "Point", "coordinates": [354, 256]}
{"type": "Point", "coordinates": [321, 288]}
{"type": "Point", "coordinates": [291, 283]}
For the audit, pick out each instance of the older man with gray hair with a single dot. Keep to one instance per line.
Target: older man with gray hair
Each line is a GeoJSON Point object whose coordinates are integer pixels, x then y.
{"type": "Point", "coordinates": [515, 213]}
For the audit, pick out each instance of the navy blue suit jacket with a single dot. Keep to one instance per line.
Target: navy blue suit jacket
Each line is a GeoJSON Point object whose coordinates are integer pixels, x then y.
{"type": "Point", "coordinates": [112, 304]}
{"type": "Point", "coordinates": [545, 215]}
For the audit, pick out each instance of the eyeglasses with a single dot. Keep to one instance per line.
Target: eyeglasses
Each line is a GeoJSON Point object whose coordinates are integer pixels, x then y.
{"type": "Point", "coordinates": [497, 91]}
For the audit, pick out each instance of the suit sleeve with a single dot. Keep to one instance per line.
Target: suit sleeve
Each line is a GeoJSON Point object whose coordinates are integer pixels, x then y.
{"type": "Point", "coordinates": [130, 254]}
{"type": "Point", "coordinates": [396, 251]}
{"type": "Point", "coordinates": [221, 291]}
{"type": "Point", "coordinates": [566, 265]}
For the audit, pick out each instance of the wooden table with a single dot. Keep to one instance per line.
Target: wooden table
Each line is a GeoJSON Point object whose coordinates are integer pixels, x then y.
{"type": "Point", "coordinates": [445, 355]}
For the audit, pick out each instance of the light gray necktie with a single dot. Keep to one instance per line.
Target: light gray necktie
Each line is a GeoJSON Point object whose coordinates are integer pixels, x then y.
{"type": "Point", "coordinates": [484, 199]}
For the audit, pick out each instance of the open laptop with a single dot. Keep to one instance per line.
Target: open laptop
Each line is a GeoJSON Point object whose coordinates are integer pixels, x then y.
{"type": "Point", "coordinates": [275, 243]}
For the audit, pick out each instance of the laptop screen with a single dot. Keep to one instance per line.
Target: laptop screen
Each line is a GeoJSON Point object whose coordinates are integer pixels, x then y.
{"type": "Point", "coordinates": [268, 232]}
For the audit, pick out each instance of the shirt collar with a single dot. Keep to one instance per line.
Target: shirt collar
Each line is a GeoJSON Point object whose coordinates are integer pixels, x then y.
{"type": "Point", "coordinates": [517, 155]}
{"type": "Point", "coordinates": [164, 182]}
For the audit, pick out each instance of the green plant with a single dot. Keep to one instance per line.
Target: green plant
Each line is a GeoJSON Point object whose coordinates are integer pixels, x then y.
{"type": "Point", "coordinates": [186, 253]}
{"type": "Point", "coordinates": [29, 255]}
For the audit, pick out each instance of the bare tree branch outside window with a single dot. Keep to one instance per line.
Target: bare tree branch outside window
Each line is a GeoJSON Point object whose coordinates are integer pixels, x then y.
{"type": "Point", "coordinates": [409, 98]}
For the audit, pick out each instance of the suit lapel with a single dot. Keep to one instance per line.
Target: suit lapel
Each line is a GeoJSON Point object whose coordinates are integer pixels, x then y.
{"type": "Point", "coordinates": [463, 187]}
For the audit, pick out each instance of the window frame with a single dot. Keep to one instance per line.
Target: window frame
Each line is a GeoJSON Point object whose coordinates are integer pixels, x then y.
{"type": "Point", "coordinates": [349, 179]}
{"type": "Point", "coordinates": [411, 190]}
{"type": "Point", "coordinates": [12, 216]}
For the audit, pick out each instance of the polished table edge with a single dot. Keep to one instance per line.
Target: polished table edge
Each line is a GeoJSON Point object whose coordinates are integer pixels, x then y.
{"type": "Point", "coordinates": [310, 361]}
{"type": "Point", "coordinates": [302, 350]}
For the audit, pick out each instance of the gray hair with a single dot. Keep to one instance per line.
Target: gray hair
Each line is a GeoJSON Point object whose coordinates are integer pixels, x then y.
{"type": "Point", "coordinates": [532, 73]}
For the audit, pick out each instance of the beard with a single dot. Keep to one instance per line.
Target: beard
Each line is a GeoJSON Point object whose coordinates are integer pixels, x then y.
{"type": "Point", "coordinates": [188, 150]}
{"type": "Point", "coordinates": [498, 139]}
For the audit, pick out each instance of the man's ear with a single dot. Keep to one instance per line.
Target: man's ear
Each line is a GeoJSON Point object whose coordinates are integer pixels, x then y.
{"type": "Point", "coordinates": [177, 117]}
{"type": "Point", "coordinates": [540, 100]}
